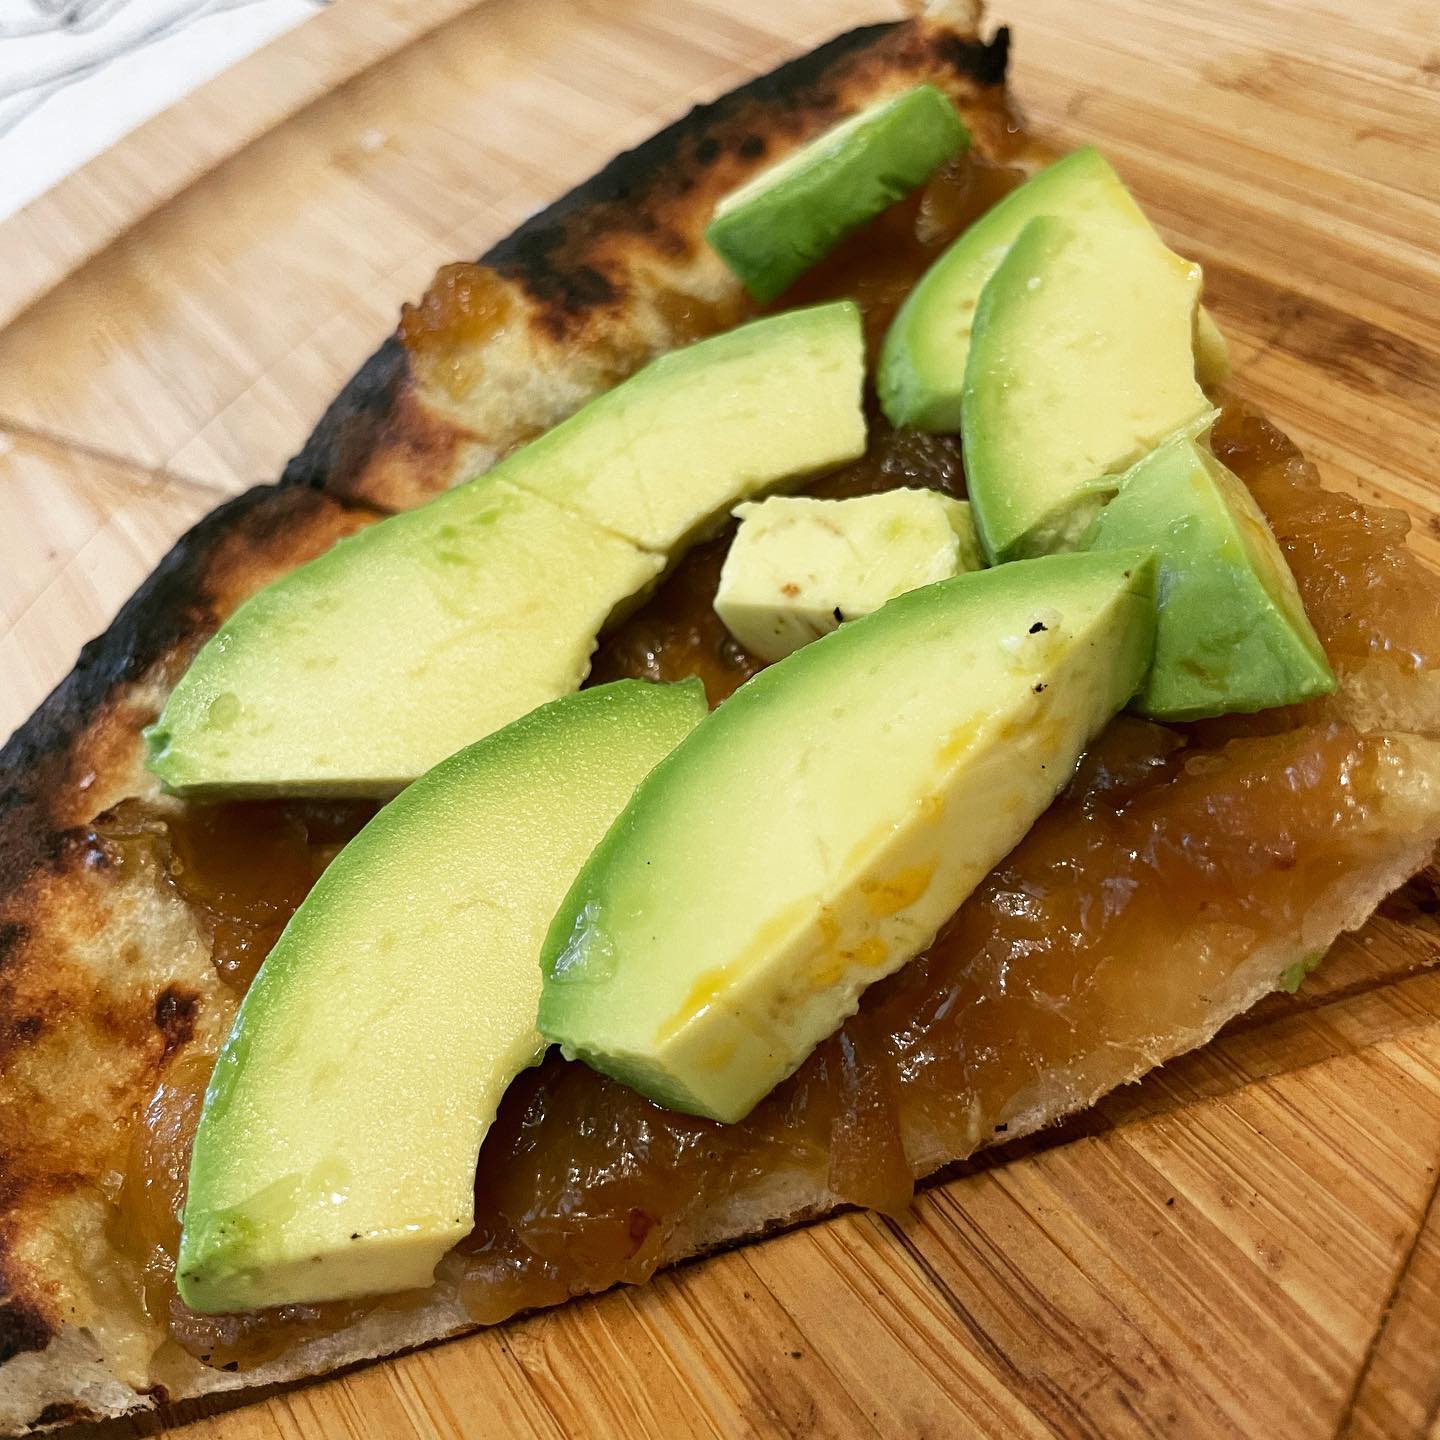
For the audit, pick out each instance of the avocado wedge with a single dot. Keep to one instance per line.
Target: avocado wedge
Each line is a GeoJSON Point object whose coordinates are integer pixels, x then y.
{"type": "Point", "coordinates": [774, 228]}
{"type": "Point", "coordinates": [922, 363]}
{"type": "Point", "coordinates": [1233, 635]}
{"type": "Point", "coordinates": [798, 567]}
{"type": "Point", "coordinates": [1080, 364]}
{"type": "Point", "coordinates": [336, 1150]}
{"type": "Point", "coordinates": [814, 832]}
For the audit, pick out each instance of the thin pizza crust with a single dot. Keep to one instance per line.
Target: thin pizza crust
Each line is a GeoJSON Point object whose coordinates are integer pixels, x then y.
{"type": "Point", "coordinates": [105, 977]}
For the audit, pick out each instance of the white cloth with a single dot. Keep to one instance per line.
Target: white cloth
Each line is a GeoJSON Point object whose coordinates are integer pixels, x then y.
{"type": "Point", "coordinates": [76, 75]}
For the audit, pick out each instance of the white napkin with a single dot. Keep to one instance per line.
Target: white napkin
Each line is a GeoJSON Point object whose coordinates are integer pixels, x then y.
{"type": "Point", "coordinates": [76, 75]}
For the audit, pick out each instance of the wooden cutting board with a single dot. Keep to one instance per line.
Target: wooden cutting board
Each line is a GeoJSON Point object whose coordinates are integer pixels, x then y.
{"type": "Point", "coordinates": [1245, 1245]}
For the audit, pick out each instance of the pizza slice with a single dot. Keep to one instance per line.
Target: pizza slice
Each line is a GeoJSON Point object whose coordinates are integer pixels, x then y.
{"type": "Point", "coordinates": [1208, 847]}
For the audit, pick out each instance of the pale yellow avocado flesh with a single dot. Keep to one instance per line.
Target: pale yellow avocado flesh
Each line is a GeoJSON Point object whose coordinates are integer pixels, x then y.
{"type": "Point", "coordinates": [357, 672]}
{"type": "Point", "coordinates": [814, 832]}
{"type": "Point", "coordinates": [657, 474]}
{"type": "Point", "coordinates": [798, 567]}
{"type": "Point", "coordinates": [922, 362]}
{"type": "Point", "coordinates": [1212, 354]}
{"type": "Point", "coordinates": [336, 1150]}
{"type": "Point", "coordinates": [1081, 362]}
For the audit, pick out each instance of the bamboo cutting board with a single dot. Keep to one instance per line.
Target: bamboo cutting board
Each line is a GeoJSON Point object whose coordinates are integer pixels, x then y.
{"type": "Point", "coordinates": [1245, 1245]}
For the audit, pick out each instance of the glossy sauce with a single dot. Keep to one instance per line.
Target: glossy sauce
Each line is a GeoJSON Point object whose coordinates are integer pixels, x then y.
{"type": "Point", "coordinates": [445, 333]}
{"type": "Point", "coordinates": [1086, 952]}
{"type": "Point", "coordinates": [243, 868]}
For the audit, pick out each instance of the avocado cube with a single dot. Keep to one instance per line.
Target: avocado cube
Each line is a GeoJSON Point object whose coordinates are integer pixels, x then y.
{"type": "Point", "coordinates": [798, 567]}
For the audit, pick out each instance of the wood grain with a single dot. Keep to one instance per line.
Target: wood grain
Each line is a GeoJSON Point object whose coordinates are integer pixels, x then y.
{"type": "Point", "coordinates": [1246, 1244]}
{"type": "Point", "coordinates": [86, 532]}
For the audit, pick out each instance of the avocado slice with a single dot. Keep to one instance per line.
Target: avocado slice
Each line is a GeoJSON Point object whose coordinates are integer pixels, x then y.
{"type": "Point", "coordinates": [358, 671]}
{"type": "Point", "coordinates": [1233, 634]}
{"type": "Point", "coordinates": [1080, 364]}
{"type": "Point", "coordinates": [776, 226]}
{"type": "Point", "coordinates": [731, 417]}
{"type": "Point", "coordinates": [336, 1149]}
{"type": "Point", "coordinates": [1212, 354]}
{"type": "Point", "coordinates": [922, 363]}
{"type": "Point", "coordinates": [815, 831]}
{"type": "Point", "coordinates": [798, 567]}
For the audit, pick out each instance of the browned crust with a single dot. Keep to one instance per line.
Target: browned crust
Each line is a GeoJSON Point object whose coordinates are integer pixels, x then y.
{"type": "Point", "coordinates": [73, 757]}
{"type": "Point", "coordinates": [579, 264]}
{"type": "Point", "coordinates": [566, 256]}
{"type": "Point", "coordinates": [206, 574]}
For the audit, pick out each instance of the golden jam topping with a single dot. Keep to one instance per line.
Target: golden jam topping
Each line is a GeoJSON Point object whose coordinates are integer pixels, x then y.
{"type": "Point", "coordinates": [243, 867]}
{"type": "Point", "coordinates": [445, 333]}
{"type": "Point", "coordinates": [145, 1223]}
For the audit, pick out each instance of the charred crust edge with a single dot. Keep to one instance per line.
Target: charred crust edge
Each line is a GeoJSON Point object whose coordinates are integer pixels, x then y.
{"type": "Point", "coordinates": [22, 1328]}
{"type": "Point", "coordinates": [551, 255]}
{"type": "Point", "coordinates": [63, 1412]}
{"type": "Point", "coordinates": [170, 605]}
{"type": "Point", "coordinates": [546, 254]}
{"type": "Point", "coordinates": [984, 61]}
{"type": "Point", "coordinates": [354, 422]}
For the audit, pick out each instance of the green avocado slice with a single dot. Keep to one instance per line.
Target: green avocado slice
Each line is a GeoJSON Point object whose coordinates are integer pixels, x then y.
{"type": "Point", "coordinates": [358, 671]}
{"type": "Point", "coordinates": [1080, 364]}
{"type": "Point", "coordinates": [336, 1149]}
{"type": "Point", "coordinates": [922, 362]}
{"type": "Point", "coordinates": [774, 228]}
{"type": "Point", "coordinates": [1233, 635]}
{"type": "Point", "coordinates": [814, 832]}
